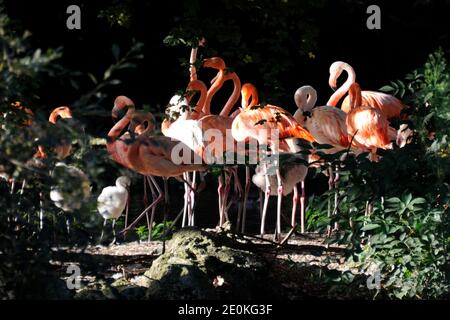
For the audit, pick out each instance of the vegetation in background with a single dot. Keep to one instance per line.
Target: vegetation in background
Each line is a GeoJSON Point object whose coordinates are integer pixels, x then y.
{"type": "Point", "coordinates": [25, 271]}
{"type": "Point", "coordinates": [393, 215]}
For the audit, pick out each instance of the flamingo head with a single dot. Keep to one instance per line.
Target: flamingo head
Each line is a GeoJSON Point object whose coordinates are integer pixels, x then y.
{"type": "Point", "coordinates": [121, 103]}
{"type": "Point", "coordinates": [63, 112]}
{"type": "Point", "coordinates": [215, 63]}
{"type": "Point", "coordinates": [336, 69]}
{"type": "Point", "coordinates": [196, 85]}
{"type": "Point", "coordinates": [142, 122]}
{"type": "Point", "coordinates": [123, 181]}
{"type": "Point", "coordinates": [305, 97]}
{"type": "Point", "coordinates": [249, 92]}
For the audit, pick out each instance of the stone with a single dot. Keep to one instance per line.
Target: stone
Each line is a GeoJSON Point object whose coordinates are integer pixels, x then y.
{"type": "Point", "coordinates": [193, 262]}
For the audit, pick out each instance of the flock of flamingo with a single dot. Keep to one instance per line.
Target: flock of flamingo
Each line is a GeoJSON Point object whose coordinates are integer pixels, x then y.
{"type": "Point", "coordinates": [361, 124]}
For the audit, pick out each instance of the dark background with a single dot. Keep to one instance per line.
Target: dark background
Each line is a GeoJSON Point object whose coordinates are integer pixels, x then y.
{"type": "Point", "coordinates": [334, 30]}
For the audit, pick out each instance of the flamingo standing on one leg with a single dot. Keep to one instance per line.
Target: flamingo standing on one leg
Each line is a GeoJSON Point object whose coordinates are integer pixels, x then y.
{"type": "Point", "coordinates": [112, 201]}
{"type": "Point", "coordinates": [273, 126]}
{"type": "Point", "coordinates": [389, 105]}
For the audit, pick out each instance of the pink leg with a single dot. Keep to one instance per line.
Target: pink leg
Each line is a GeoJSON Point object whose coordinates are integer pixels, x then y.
{"type": "Point", "coordinates": [294, 206]}
{"type": "Point", "coordinates": [160, 198]}
{"type": "Point", "coordinates": [266, 201]}
{"type": "Point", "coordinates": [246, 191]}
{"type": "Point", "coordinates": [330, 187]}
{"type": "Point", "coordinates": [220, 194]}
{"type": "Point", "coordinates": [302, 208]}
{"type": "Point", "coordinates": [152, 215]}
{"type": "Point", "coordinates": [186, 200]}
{"type": "Point", "coordinates": [279, 199]}
{"type": "Point", "coordinates": [335, 183]}
{"type": "Point", "coordinates": [192, 197]}
{"type": "Point", "coordinates": [225, 195]}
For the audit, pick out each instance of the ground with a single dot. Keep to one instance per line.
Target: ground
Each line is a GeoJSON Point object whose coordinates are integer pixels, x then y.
{"type": "Point", "coordinates": [303, 267]}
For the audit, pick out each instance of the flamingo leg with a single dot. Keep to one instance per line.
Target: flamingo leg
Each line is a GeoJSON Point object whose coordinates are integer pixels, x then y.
{"type": "Point", "coordinates": [220, 194]}
{"type": "Point", "coordinates": [260, 201]}
{"type": "Point", "coordinates": [103, 231]}
{"type": "Point", "coordinates": [183, 223]}
{"type": "Point", "coordinates": [166, 208]}
{"type": "Point", "coordinates": [225, 195]}
{"type": "Point", "coordinates": [330, 187]}
{"type": "Point", "coordinates": [279, 199]}
{"type": "Point", "coordinates": [127, 209]}
{"type": "Point", "coordinates": [266, 200]}
{"type": "Point", "coordinates": [302, 208]}
{"type": "Point", "coordinates": [246, 192]}
{"type": "Point", "coordinates": [113, 226]}
{"type": "Point", "coordinates": [152, 215]}
{"type": "Point", "coordinates": [192, 196]}
{"type": "Point", "coordinates": [335, 183]}
{"type": "Point", "coordinates": [294, 206]}
{"type": "Point", "coordinates": [160, 197]}
{"type": "Point", "coordinates": [239, 192]}
{"type": "Point", "coordinates": [41, 211]}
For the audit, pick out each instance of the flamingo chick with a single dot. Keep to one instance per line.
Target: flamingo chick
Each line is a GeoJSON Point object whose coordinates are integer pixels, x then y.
{"type": "Point", "coordinates": [112, 201]}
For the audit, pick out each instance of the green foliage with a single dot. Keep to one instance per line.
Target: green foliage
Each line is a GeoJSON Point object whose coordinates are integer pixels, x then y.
{"type": "Point", "coordinates": [393, 214]}
{"type": "Point", "coordinates": [405, 241]}
{"type": "Point", "coordinates": [20, 66]}
{"type": "Point", "coordinates": [158, 230]}
{"type": "Point", "coordinates": [250, 34]}
{"type": "Point", "coordinates": [25, 184]}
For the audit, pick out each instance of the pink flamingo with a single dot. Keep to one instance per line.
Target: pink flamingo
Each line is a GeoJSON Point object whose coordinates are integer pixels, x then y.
{"type": "Point", "coordinates": [368, 126]}
{"type": "Point", "coordinates": [159, 156]}
{"type": "Point", "coordinates": [272, 126]}
{"type": "Point", "coordinates": [389, 105]}
{"type": "Point", "coordinates": [327, 125]}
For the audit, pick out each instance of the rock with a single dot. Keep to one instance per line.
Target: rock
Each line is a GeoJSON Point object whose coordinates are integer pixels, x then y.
{"type": "Point", "coordinates": [97, 291]}
{"type": "Point", "coordinates": [129, 289]}
{"type": "Point", "coordinates": [202, 265]}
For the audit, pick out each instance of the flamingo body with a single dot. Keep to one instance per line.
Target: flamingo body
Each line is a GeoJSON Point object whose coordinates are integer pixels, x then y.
{"type": "Point", "coordinates": [112, 200]}
{"type": "Point", "coordinates": [389, 105]}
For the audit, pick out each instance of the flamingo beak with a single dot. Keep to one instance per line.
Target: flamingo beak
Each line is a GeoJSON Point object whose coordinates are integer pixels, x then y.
{"type": "Point", "coordinates": [332, 83]}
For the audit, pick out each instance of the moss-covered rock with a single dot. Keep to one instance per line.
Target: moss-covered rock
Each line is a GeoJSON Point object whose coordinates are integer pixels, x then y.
{"type": "Point", "coordinates": [202, 265]}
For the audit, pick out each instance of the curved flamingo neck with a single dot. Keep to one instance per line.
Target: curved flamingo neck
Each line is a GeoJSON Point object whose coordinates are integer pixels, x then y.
{"type": "Point", "coordinates": [234, 96]}
{"type": "Point", "coordinates": [59, 113]}
{"type": "Point", "coordinates": [143, 118]}
{"type": "Point", "coordinates": [115, 131]}
{"type": "Point", "coordinates": [198, 85]}
{"type": "Point", "coordinates": [212, 91]}
{"type": "Point", "coordinates": [311, 98]}
{"type": "Point", "coordinates": [351, 78]}
{"type": "Point", "coordinates": [355, 96]}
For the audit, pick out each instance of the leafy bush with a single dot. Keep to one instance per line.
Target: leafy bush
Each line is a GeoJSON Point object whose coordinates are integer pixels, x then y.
{"type": "Point", "coordinates": [393, 214]}
{"type": "Point", "coordinates": [25, 270]}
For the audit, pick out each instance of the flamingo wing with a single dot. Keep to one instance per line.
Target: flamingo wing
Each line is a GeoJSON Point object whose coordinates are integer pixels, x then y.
{"type": "Point", "coordinates": [389, 105]}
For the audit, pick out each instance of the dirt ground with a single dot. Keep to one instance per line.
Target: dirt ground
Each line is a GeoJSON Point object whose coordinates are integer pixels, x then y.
{"type": "Point", "coordinates": [300, 264]}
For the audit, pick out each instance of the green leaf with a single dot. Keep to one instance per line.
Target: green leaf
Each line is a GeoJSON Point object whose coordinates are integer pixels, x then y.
{"type": "Point", "coordinates": [370, 226]}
